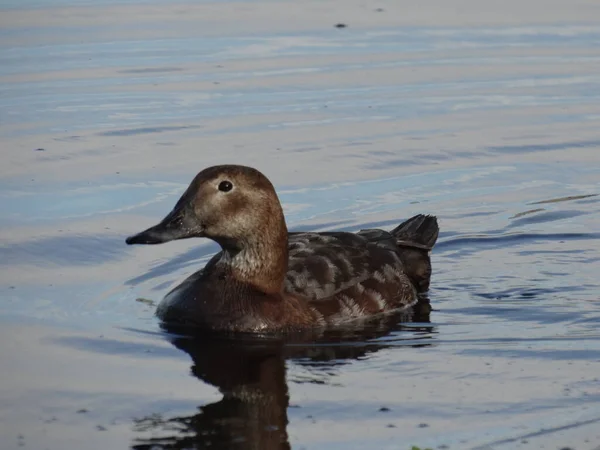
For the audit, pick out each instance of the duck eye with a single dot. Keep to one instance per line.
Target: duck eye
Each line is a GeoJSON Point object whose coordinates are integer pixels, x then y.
{"type": "Point", "coordinates": [225, 186]}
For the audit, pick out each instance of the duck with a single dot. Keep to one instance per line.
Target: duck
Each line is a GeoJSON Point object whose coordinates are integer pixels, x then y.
{"type": "Point", "coordinates": [267, 279]}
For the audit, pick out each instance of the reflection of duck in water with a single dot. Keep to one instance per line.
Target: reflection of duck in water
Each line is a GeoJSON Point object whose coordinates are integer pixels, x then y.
{"type": "Point", "coordinates": [250, 373]}
{"type": "Point", "coordinates": [266, 279]}
{"type": "Point", "coordinates": [253, 411]}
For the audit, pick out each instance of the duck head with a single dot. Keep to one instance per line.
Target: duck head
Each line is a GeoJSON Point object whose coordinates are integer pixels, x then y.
{"type": "Point", "coordinates": [236, 206]}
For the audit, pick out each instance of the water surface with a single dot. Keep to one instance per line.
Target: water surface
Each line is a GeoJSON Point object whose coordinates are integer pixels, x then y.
{"type": "Point", "coordinates": [487, 117]}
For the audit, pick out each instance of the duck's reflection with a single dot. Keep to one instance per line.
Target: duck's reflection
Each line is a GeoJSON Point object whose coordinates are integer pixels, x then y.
{"type": "Point", "coordinates": [250, 373]}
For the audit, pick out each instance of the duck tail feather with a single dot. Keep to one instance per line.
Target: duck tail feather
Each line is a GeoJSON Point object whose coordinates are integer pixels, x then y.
{"type": "Point", "coordinates": [421, 229]}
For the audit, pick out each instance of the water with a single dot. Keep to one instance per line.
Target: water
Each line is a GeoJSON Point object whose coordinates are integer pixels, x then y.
{"type": "Point", "coordinates": [485, 116]}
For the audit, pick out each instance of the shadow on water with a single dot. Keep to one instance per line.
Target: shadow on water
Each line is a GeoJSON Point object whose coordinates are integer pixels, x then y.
{"type": "Point", "coordinates": [471, 244]}
{"type": "Point", "coordinates": [519, 149]}
{"type": "Point", "coordinates": [250, 373]}
{"type": "Point", "coordinates": [144, 130]}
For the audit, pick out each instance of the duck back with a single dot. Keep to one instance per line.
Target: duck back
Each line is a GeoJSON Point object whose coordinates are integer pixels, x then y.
{"type": "Point", "coordinates": [324, 264]}
{"type": "Point", "coordinates": [413, 241]}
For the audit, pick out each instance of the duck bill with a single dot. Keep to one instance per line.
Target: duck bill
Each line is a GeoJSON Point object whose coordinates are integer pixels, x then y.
{"type": "Point", "coordinates": [179, 224]}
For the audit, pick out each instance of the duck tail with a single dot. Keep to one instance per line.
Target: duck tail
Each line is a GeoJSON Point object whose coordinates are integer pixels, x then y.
{"type": "Point", "coordinates": [415, 238]}
{"type": "Point", "coordinates": [420, 231]}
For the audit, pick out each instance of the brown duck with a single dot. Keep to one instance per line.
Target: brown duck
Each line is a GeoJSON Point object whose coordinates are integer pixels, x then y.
{"type": "Point", "coordinates": [266, 279]}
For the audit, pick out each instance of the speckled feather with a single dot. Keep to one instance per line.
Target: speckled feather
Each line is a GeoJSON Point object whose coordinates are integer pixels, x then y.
{"type": "Point", "coordinates": [346, 276]}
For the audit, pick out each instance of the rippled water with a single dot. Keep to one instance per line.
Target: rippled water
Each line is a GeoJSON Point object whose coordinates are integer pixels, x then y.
{"type": "Point", "coordinates": [486, 116]}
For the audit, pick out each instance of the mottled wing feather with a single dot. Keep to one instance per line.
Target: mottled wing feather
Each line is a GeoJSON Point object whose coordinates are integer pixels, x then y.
{"type": "Point", "coordinates": [324, 264]}
{"type": "Point", "coordinates": [388, 289]}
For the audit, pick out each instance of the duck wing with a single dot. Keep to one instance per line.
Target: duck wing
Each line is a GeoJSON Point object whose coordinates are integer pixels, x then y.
{"type": "Point", "coordinates": [324, 264]}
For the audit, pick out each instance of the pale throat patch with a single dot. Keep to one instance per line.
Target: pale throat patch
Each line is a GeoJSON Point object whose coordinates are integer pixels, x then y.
{"type": "Point", "coordinates": [244, 262]}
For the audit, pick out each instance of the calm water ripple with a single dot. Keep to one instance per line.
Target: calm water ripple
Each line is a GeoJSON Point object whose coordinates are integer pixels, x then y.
{"type": "Point", "coordinates": [487, 117]}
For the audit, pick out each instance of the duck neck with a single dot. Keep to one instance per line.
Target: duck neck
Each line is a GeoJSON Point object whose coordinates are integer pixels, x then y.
{"type": "Point", "coordinates": [261, 259]}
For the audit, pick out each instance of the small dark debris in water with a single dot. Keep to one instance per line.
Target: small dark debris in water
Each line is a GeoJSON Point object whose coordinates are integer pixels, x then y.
{"type": "Point", "coordinates": [309, 416]}
{"type": "Point", "coordinates": [423, 425]}
{"type": "Point", "coordinates": [379, 10]}
{"type": "Point", "coordinates": [40, 149]}
{"type": "Point", "coordinates": [443, 447]}
{"type": "Point", "coordinates": [390, 425]}
{"type": "Point", "coordinates": [51, 419]}
{"type": "Point", "coordinates": [340, 25]}
{"type": "Point", "coordinates": [216, 82]}
{"type": "Point", "coordinates": [384, 409]}
{"type": "Point", "coordinates": [219, 66]}
{"type": "Point", "coordinates": [82, 411]}
{"type": "Point", "coordinates": [118, 173]}
{"type": "Point", "coordinates": [145, 300]}
{"type": "Point", "coordinates": [415, 202]}
{"type": "Point", "coordinates": [567, 448]}
{"type": "Point", "coordinates": [100, 428]}
{"type": "Point", "coordinates": [12, 287]}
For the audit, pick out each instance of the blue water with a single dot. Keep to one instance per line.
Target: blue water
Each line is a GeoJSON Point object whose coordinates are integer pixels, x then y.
{"type": "Point", "coordinates": [102, 128]}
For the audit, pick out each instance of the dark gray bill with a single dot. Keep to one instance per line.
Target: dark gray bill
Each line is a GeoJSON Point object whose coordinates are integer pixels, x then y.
{"type": "Point", "coordinates": [179, 224]}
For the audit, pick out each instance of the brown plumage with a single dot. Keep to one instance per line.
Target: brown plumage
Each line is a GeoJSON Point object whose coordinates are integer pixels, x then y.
{"type": "Point", "coordinates": [266, 279]}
